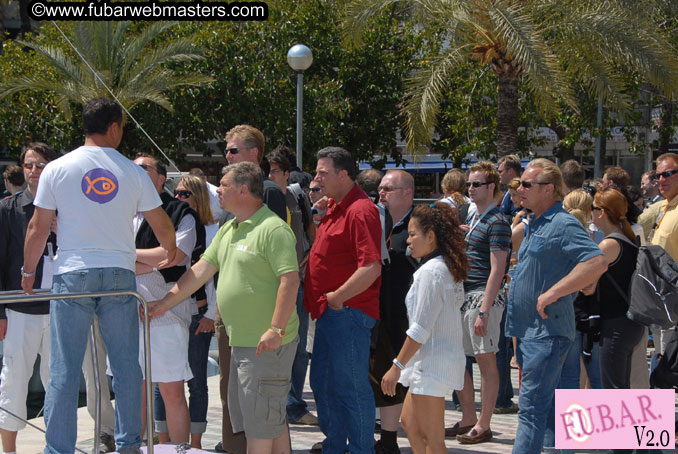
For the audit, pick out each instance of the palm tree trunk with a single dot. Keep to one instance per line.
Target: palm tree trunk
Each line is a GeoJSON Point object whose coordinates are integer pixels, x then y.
{"type": "Point", "coordinates": [507, 114]}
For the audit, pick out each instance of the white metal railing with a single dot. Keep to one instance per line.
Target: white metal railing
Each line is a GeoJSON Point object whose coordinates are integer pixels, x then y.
{"type": "Point", "coordinates": [18, 296]}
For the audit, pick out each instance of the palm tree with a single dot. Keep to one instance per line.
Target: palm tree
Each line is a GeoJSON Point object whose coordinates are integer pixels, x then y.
{"type": "Point", "coordinates": [540, 45]}
{"type": "Point", "coordinates": [132, 65]}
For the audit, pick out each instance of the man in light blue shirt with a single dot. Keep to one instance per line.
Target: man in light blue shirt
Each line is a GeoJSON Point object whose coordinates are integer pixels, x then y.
{"type": "Point", "coordinates": [556, 259]}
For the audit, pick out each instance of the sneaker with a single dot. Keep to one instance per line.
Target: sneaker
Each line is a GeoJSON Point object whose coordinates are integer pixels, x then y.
{"type": "Point", "coordinates": [106, 442]}
{"type": "Point", "coordinates": [381, 448]}
{"type": "Point", "coordinates": [511, 409]}
{"type": "Point", "coordinates": [308, 419]}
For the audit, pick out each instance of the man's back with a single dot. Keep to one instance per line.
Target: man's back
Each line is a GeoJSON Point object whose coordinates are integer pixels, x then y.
{"type": "Point", "coordinates": [96, 192]}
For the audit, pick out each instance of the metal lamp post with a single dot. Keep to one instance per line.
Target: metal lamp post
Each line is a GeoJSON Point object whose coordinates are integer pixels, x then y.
{"type": "Point", "coordinates": [299, 57]}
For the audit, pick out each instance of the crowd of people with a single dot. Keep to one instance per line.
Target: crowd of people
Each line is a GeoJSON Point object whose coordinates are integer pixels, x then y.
{"type": "Point", "coordinates": [393, 302]}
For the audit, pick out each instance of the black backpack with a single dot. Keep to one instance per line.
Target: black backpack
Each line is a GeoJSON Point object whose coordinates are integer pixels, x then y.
{"type": "Point", "coordinates": [653, 296]}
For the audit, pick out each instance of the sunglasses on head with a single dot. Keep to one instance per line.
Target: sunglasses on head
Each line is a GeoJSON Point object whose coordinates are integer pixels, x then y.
{"type": "Point", "coordinates": [528, 184]}
{"type": "Point", "coordinates": [182, 194]}
{"type": "Point", "coordinates": [668, 174]}
{"type": "Point", "coordinates": [30, 165]}
{"type": "Point", "coordinates": [477, 184]}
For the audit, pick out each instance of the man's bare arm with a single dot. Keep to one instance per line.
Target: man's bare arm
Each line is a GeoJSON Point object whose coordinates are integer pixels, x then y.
{"type": "Point", "coordinates": [360, 280]}
{"type": "Point", "coordinates": [285, 304]}
{"type": "Point", "coordinates": [497, 271]}
{"type": "Point", "coordinates": [164, 231]}
{"type": "Point", "coordinates": [36, 237]}
{"type": "Point", "coordinates": [189, 282]}
{"type": "Point", "coordinates": [581, 276]}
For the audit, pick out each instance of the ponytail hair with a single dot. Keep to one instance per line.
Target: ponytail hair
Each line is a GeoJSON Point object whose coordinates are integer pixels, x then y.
{"type": "Point", "coordinates": [578, 204]}
{"type": "Point", "coordinates": [440, 218]}
{"type": "Point", "coordinates": [615, 205]}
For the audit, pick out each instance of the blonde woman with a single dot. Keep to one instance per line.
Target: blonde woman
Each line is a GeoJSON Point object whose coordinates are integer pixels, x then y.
{"type": "Point", "coordinates": [193, 190]}
{"type": "Point", "coordinates": [578, 204]}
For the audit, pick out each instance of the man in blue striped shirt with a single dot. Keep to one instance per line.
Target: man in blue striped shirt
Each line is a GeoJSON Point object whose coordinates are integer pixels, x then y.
{"type": "Point", "coordinates": [488, 243]}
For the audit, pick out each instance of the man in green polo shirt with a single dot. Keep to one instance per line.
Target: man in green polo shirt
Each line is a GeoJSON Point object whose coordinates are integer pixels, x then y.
{"type": "Point", "coordinates": [256, 295]}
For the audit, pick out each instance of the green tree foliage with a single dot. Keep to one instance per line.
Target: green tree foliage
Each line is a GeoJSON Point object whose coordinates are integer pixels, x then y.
{"type": "Point", "coordinates": [351, 97]}
{"type": "Point", "coordinates": [533, 45]}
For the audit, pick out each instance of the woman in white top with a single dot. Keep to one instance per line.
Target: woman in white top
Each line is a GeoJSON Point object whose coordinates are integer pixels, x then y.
{"type": "Point", "coordinates": [431, 362]}
{"type": "Point", "coordinates": [194, 191]}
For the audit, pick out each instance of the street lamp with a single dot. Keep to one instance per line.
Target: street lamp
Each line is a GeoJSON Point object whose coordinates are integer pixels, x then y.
{"type": "Point", "coordinates": [299, 57]}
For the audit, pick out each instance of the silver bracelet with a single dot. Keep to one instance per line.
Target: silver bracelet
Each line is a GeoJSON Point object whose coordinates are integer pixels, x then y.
{"type": "Point", "coordinates": [398, 364]}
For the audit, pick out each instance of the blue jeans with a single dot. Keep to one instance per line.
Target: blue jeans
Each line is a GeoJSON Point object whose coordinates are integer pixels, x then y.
{"type": "Point", "coordinates": [70, 326]}
{"type": "Point", "coordinates": [198, 352]}
{"type": "Point", "coordinates": [340, 382]}
{"type": "Point", "coordinates": [541, 362]}
{"type": "Point", "coordinates": [504, 367]}
{"type": "Point", "coordinates": [569, 379]}
{"type": "Point", "coordinates": [296, 405]}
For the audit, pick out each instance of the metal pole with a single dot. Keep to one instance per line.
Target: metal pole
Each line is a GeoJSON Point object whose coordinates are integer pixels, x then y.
{"type": "Point", "coordinates": [300, 108]}
{"type": "Point", "coordinates": [97, 385]}
{"type": "Point", "coordinates": [18, 296]}
{"type": "Point", "coordinates": [597, 164]}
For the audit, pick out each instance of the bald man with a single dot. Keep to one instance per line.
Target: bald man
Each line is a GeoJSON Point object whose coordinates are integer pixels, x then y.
{"type": "Point", "coordinates": [396, 192]}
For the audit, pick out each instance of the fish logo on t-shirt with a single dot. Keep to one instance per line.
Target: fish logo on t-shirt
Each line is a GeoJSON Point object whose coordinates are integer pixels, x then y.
{"type": "Point", "coordinates": [99, 185]}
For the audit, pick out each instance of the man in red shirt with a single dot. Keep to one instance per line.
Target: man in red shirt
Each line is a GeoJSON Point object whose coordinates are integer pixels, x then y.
{"type": "Point", "coordinates": [342, 292]}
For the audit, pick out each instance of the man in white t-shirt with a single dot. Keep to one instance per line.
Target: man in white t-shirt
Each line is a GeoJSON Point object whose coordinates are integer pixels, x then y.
{"type": "Point", "coordinates": [97, 192]}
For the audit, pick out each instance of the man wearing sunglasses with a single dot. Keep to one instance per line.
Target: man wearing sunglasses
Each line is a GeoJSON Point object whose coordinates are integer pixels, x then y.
{"type": "Point", "coordinates": [488, 242]}
{"type": "Point", "coordinates": [557, 258]}
{"type": "Point", "coordinates": [665, 226]}
{"type": "Point", "coordinates": [24, 328]}
{"type": "Point", "coordinates": [97, 192]}
{"type": "Point", "coordinates": [245, 143]}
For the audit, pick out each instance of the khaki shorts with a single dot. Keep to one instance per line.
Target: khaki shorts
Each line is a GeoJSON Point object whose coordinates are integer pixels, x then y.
{"type": "Point", "coordinates": [475, 345]}
{"type": "Point", "coordinates": [258, 388]}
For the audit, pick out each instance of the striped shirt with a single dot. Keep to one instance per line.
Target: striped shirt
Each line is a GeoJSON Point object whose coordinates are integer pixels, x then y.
{"type": "Point", "coordinates": [491, 233]}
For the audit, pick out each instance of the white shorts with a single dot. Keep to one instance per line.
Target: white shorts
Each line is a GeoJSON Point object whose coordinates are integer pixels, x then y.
{"type": "Point", "coordinates": [425, 386]}
{"type": "Point", "coordinates": [27, 337]}
{"type": "Point", "coordinates": [169, 353]}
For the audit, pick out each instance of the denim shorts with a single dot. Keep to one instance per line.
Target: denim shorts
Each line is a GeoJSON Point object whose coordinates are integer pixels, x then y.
{"type": "Point", "coordinates": [258, 388]}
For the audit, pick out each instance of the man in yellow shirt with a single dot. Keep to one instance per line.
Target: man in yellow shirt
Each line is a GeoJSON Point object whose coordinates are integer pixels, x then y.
{"type": "Point", "coordinates": [666, 220]}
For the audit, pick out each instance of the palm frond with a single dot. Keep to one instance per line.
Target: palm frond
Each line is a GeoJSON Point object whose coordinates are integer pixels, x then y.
{"type": "Point", "coordinates": [526, 46]}
{"type": "Point", "coordinates": [180, 50]}
{"type": "Point", "coordinates": [424, 94]}
{"type": "Point", "coordinates": [358, 14]}
{"type": "Point", "coordinates": [137, 45]}
{"type": "Point", "coordinates": [57, 59]}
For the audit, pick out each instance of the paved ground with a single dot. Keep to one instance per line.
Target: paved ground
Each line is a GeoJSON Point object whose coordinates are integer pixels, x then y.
{"type": "Point", "coordinates": [31, 441]}
{"type": "Point", "coordinates": [303, 437]}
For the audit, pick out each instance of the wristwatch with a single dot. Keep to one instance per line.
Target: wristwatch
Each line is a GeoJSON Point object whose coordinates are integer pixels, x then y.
{"type": "Point", "coordinates": [482, 314]}
{"type": "Point", "coordinates": [279, 331]}
{"type": "Point", "coordinates": [23, 274]}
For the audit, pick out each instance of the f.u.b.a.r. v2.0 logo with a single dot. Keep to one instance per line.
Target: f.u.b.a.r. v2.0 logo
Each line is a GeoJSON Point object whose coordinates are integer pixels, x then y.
{"type": "Point", "coordinates": [99, 185]}
{"type": "Point", "coordinates": [617, 419]}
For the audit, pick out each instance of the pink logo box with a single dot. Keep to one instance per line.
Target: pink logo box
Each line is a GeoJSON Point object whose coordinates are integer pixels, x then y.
{"type": "Point", "coordinates": [615, 419]}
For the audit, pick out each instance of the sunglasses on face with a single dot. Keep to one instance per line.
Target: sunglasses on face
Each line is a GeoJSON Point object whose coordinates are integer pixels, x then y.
{"type": "Point", "coordinates": [30, 165]}
{"type": "Point", "coordinates": [315, 189]}
{"type": "Point", "coordinates": [668, 174]}
{"type": "Point", "coordinates": [528, 184]}
{"type": "Point", "coordinates": [476, 184]}
{"type": "Point", "coordinates": [236, 150]}
{"type": "Point", "coordinates": [594, 208]}
{"type": "Point", "coordinates": [182, 194]}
